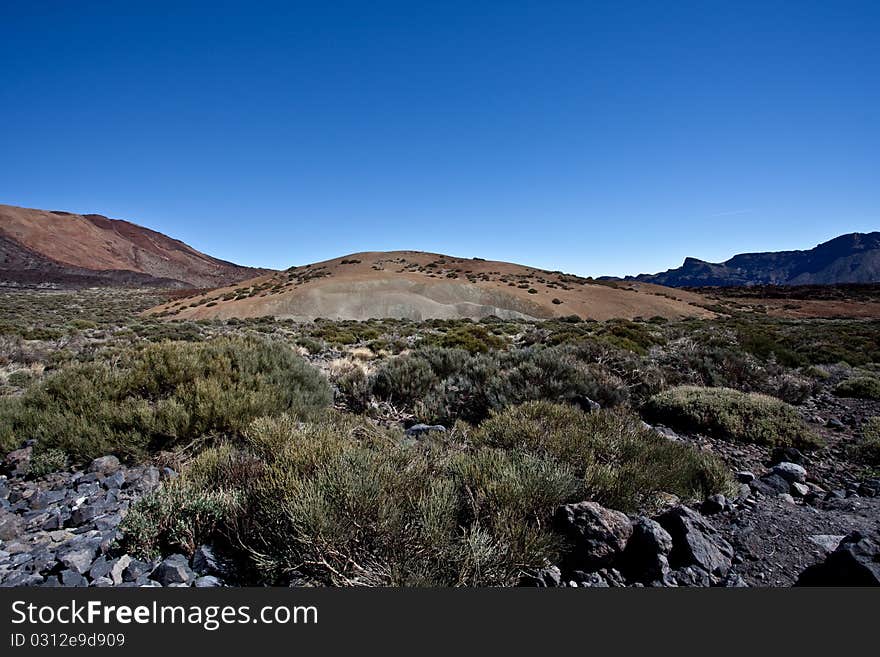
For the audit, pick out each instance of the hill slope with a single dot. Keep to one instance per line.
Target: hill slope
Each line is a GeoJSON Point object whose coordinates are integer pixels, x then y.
{"type": "Point", "coordinates": [62, 248]}
{"type": "Point", "coordinates": [416, 285]}
{"type": "Point", "coordinates": [851, 258]}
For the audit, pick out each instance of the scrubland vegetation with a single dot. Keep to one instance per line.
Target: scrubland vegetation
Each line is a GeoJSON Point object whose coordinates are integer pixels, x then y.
{"type": "Point", "coordinates": [290, 437]}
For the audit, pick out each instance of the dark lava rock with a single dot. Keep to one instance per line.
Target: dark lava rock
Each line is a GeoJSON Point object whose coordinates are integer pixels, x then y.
{"type": "Point", "coordinates": [714, 504]}
{"type": "Point", "coordinates": [646, 555]}
{"type": "Point", "coordinates": [173, 570]}
{"type": "Point", "coordinates": [79, 558]}
{"type": "Point", "coordinates": [695, 541]}
{"type": "Point", "coordinates": [545, 578]}
{"type": "Point", "coordinates": [787, 455]}
{"type": "Point", "coordinates": [205, 561]}
{"type": "Point", "coordinates": [598, 534]}
{"type": "Point", "coordinates": [855, 562]}
{"type": "Point", "coordinates": [771, 484]}
{"type": "Point", "coordinates": [73, 578]}
{"type": "Point", "coordinates": [136, 569]}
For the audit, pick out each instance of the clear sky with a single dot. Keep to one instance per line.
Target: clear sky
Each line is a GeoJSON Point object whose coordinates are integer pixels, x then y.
{"type": "Point", "coordinates": [594, 137]}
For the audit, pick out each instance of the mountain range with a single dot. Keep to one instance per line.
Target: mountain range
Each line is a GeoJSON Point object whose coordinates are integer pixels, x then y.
{"type": "Point", "coordinates": [851, 258]}
{"type": "Point", "coordinates": [62, 249]}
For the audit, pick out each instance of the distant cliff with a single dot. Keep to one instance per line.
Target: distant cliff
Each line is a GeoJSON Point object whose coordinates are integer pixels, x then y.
{"type": "Point", "coordinates": [851, 258]}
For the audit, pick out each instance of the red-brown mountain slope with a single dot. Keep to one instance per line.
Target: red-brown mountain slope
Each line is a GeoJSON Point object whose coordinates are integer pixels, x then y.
{"type": "Point", "coordinates": [53, 247]}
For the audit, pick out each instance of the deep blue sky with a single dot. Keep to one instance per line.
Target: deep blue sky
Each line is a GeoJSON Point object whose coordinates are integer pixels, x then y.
{"type": "Point", "coordinates": [594, 137]}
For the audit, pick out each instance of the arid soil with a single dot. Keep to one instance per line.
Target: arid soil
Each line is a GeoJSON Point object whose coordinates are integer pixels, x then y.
{"type": "Point", "coordinates": [416, 285]}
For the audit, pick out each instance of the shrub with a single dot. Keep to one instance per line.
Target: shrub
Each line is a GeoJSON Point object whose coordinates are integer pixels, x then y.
{"type": "Point", "coordinates": [617, 461]}
{"type": "Point", "coordinates": [46, 462]}
{"type": "Point", "coordinates": [442, 385]}
{"type": "Point", "coordinates": [161, 395]}
{"type": "Point", "coordinates": [472, 338]}
{"type": "Point", "coordinates": [20, 378]}
{"type": "Point", "coordinates": [859, 387]}
{"type": "Point", "coordinates": [733, 415]}
{"type": "Point", "coordinates": [868, 448]}
{"type": "Point", "coordinates": [342, 501]}
{"type": "Point", "coordinates": [178, 517]}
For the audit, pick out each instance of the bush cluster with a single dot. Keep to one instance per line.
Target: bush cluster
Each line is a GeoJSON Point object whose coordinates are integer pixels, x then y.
{"type": "Point", "coordinates": [442, 385]}
{"type": "Point", "coordinates": [859, 387]}
{"type": "Point", "coordinates": [342, 501]}
{"type": "Point", "coordinates": [733, 415]}
{"type": "Point", "coordinates": [160, 395]}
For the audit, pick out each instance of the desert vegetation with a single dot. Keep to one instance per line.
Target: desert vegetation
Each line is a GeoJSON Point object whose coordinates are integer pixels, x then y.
{"type": "Point", "coordinates": [291, 447]}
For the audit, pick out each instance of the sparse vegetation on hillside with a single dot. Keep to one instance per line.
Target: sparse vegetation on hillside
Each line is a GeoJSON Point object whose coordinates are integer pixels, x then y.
{"type": "Point", "coordinates": [294, 491]}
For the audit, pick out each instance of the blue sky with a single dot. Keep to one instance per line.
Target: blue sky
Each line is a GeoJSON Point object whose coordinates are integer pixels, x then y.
{"type": "Point", "coordinates": [592, 137]}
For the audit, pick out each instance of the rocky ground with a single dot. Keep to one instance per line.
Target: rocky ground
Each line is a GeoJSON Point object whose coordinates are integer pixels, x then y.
{"type": "Point", "coordinates": [62, 529]}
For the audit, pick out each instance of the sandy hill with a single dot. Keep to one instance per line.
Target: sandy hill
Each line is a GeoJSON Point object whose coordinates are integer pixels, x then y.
{"type": "Point", "coordinates": [416, 285]}
{"type": "Point", "coordinates": [40, 247]}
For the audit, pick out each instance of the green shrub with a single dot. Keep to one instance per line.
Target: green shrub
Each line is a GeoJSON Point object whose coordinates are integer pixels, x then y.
{"type": "Point", "coordinates": [472, 338]}
{"type": "Point", "coordinates": [161, 395]}
{"type": "Point", "coordinates": [178, 517]}
{"type": "Point", "coordinates": [868, 447]}
{"type": "Point", "coordinates": [617, 461]}
{"type": "Point", "coordinates": [733, 415]}
{"type": "Point", "coordinates": [859, 387]}
{"type": "Point", "coordinates": [20, 378]}
{"type": "Point", "coordinates": [442, 385]}
{"type": "Point", "coordinates": [346, 502]}
{"type": "Point", "coordinates": [46, 462]}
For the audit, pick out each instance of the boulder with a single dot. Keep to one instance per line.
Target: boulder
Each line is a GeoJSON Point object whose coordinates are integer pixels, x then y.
{"type": "Point", "coordinates": [787, 455]}
{"type": "Point", "coordinates": [791, 472]}
{"type": "Point", "coordinates": [545, 578]}
{"type": "Point", "coordinates": [207, 581]}
{"type": "Point", "coordinates": [135, 569]}
{"type": "Point", "coordinates": [598, 534]}
{"type": "Point", "coordinates": [17, 462]}
{"type": "Point", "coordinates": [695, 541]}
{"type": "Point", "coordinates": [744, 476]}
{"type": "Point", "coordinates": [645, 558]}
{"type": "Point", "coordinates": [78, 558]}
{"type": "Point", "coordinates": [173, 570]}
{"type": "Point", "coordinates": [104, 465]}
{"type": "Point", "coordinates": [72, 578]}
{"type": "Point", "coordinates": [11, 526]}
{"type": "Point", "coordinates": [771, 484]}
{"type": "Point", "coordinates": [855, 562]}
{"type": "Point", "coordinates": [714, 504]}
{"type": "Point", "coordinates": [100, 568]}
{"type": "Point", "coordinates": [205, 561]}
{"type": "Point", "coordinates": [419, 430]}
{"type": "Point", "coordinates": [117, 568]}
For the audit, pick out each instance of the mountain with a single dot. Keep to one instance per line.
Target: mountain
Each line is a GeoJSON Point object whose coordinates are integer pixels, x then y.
{"type": "Point", "coordinates": [39, 247]}
{"type": "Point", "coordinates": [416, 285]}
{"type": "Point", "coordinates": [852, 258]}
